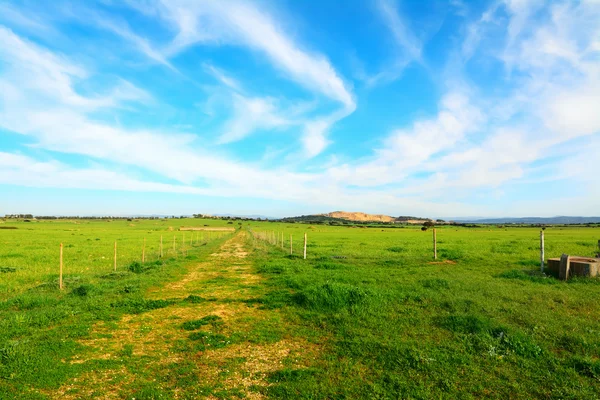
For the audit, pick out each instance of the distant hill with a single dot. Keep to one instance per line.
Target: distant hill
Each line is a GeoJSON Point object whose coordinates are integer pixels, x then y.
{"type": "Point", "coordinates": [562, 220]}
{"type": "Point", "coordinates": [360, 217]}
{"type": "Point", "coordinates": [343, 217]}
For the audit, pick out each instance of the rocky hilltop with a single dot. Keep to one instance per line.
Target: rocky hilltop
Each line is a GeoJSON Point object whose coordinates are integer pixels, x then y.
{"type": "Point", "coordinates": [359, 216]}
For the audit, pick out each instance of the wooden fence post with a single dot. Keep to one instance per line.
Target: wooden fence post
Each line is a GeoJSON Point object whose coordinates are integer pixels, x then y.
{"type": "Point", "coordinates": [60, 273]}
{"type": "Point", "coordinates": [434, 245]}
{"type": "Point", "coordinates": [144, 251]}
{"type": "Point", "coordinates": [305, 245]}
{"type": "Point", "coordinates": [161, 248]}
{"type": "Point", "coordinates": [115, 258]}
{"type": "Point", "coordinates": [542, 251]}
{"type": "Point", "coordinates": [174, 243]}
{"type": "Point", "coordinates": [564, 268]}
{"type": "Point", "coordinates": [291, 248]}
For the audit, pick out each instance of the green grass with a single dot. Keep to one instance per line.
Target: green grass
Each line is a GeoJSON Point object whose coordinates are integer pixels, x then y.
{"type": "Point", "coordinates": [482, 322]}
{"type": "Point", "coordinates": [489, 324]}
{"type": "Point", "coordinates": [41, 326]}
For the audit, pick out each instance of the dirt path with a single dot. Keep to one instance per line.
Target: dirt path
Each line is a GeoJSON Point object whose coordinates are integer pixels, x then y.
{"type": "Point", "coordinates": [212, 341]}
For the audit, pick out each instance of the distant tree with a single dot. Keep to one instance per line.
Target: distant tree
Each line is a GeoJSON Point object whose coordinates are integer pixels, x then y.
{"type": "Point", "coordinates": [428, 224]}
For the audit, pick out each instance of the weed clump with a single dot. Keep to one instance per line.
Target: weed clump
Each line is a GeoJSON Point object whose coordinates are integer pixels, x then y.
{"type": "Point", "coordinates": [115, 275]}
{"type": "Point", "coordinates": [82, 290]}
{"type": "Point", "coordinates": [333, 297]}
{"type": "Point", "coordinates": [137, 267]}
{"type": "Point", "coordinates": [329, 265]}
{"type": "Point", "coordinates": [192, 298]}
{"type": "Point", "coordinates": [483, 336]}
{"type": "Point", "coordinates": [586, 367]}
{"type": "Point", "coordinates": [210, 340]}
{"type": "Point", "coordinates": [5, 270]}
{"type": "Point", "coordinates": [193, 325]}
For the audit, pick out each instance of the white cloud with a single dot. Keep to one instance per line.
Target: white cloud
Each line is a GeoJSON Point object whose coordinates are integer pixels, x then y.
{"type": "Point", "coordinates": [399, 29]}
{"type": "Point", "coordinates": [408, 47]}
{"type": "Point", "coordinates": [251, 114]}
{"type": "Point", "coordinates": [408, 150]}
{"type": "Point", "coordinates": [138, 42]}
{"type": "Point", "coordinates": [42, 75]}
{"type": "Point", "coordinates": [222, 77]}
{"type": "Point", "coordinates": [314, 139]}
{"type": "Point", "coordinates": [239, 22]}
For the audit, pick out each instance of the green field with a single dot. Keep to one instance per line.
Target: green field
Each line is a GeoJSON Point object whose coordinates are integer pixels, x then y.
{"type": "Point", "coordinates": [368, 314]}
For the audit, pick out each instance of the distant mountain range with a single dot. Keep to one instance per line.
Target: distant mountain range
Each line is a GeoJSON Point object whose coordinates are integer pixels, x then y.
{"type": "Point", "coordinates": [561, 220]}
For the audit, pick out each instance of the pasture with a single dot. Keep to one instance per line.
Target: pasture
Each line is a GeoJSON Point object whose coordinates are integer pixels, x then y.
{"type": "Point", "coordinates": [368, 314]}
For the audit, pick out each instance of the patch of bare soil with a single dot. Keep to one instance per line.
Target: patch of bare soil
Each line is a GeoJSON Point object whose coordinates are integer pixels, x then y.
{"type": "Point", "coordinates": [255, 363]}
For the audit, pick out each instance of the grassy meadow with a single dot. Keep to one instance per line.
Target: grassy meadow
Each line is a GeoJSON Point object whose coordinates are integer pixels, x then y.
{"type": "Point", "coordinates": [479, 323]}
{"type": "Point", "coordinates": [378, 317]}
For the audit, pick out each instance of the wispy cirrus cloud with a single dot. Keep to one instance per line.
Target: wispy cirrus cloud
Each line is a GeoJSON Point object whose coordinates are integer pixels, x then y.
{"type": "Point", "coordinates": [408, 49]}
{"type": "Point", "coordinates": [242, 23]}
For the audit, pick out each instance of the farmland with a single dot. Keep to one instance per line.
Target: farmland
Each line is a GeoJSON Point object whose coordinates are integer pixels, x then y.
{"type": "Point", "coordinates": [368, 314]}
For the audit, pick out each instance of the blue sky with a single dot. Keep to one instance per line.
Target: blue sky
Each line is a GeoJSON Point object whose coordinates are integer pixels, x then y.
{"type": "Point", "coordinates": [438, 108]}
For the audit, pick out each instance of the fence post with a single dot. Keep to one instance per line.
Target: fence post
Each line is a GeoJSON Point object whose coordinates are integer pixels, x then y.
{"type": "Point", "coordinates": [161, 248]}
{"type": "Point", "coordinates": [542, 251]}
{"type": "Point", "coordinates": [174, 244]}
{"type": "Point", "coordinates": [115, 258]}
{"type": "Point", "coordinates": [305, 245]}
{"type": "Point", "coordinates": [564, 268]}
{"type": "Point", "coordinates": [60, 273]}
{"type": "Point", "coordinates": [144, 251]}
{"type": "Point", "coordinates": [291, 248]}
{"type": "Point", "coordinates": [434, 245]}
